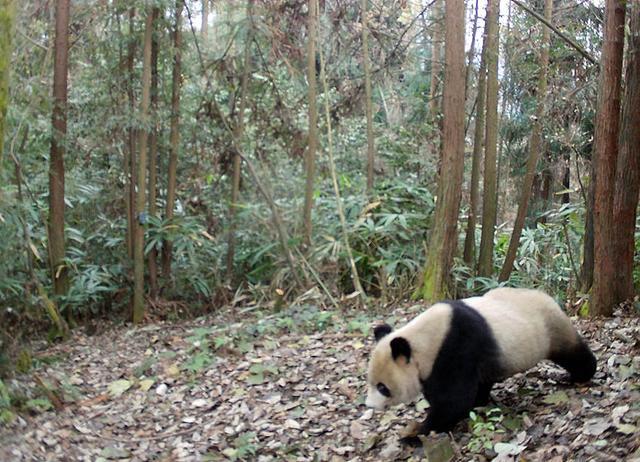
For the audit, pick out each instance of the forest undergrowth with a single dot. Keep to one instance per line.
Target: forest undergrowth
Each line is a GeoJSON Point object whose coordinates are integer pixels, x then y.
{"type": "Point", "coordinates": [242, 385]}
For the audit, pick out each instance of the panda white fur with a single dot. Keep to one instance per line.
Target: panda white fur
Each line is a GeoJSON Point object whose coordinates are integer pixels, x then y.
{"type": "Point", "coordinates": [456, 350]}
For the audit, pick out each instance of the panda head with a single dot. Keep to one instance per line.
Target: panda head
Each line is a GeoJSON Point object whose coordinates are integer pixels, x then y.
{"type": "Point", "coordinates": [393, 375]}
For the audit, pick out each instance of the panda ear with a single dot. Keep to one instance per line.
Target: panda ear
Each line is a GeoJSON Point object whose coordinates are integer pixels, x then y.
{"type": "Point", "coordinates": [381, 330]}
{"type": "Point", "coordinates": [400, 347]}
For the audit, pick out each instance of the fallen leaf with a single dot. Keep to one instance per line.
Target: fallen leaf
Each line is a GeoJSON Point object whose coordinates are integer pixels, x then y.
{"type": "Point", "coordinates": [118, 387]}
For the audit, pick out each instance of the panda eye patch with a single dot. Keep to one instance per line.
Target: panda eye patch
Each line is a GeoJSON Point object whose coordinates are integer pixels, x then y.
{"type": "Point", "coordinates": [382, 388]}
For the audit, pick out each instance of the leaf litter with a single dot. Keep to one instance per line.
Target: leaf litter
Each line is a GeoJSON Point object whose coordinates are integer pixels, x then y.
{"type": "Point", "coordinates": [186, 392]}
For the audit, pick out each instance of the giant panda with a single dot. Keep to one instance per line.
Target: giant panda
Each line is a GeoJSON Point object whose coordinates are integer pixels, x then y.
{"type": "Point", "coordinates": [456, 350]}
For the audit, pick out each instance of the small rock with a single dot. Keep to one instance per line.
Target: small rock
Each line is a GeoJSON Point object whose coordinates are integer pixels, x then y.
{"type": "Point", "coordinates": [162, 389]}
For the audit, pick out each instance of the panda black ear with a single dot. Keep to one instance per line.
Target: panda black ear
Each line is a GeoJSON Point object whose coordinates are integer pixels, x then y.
{"type": "Point", "coordinates": [400, 347]}
{"type": "Point", "coordinates": [381, 330]}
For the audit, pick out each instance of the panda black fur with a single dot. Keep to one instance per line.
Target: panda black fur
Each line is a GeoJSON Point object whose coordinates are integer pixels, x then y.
{"type": "Point", "coordinates": [456, 350]}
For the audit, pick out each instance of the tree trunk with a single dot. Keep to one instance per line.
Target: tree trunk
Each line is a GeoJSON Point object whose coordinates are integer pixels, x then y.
{"type": "Point", "coordinates": [566, 175]}
{"type": "Point", "coordinates": [140, 219]}
{"type": "Point", "coordinates": [628, 168]}
{"type": "Point", "coordinates": [586, 271]}
{"type": "Point", "coordinates": [535, 146]}
{"type": "Point", "coordinates": [153, 155]}
{"type": "Point", "coordinates": [56, 157]}
{"type": "Point", "coordinates": [310, 157]}
{"type": "Point", "coordinates": [204, 27]}
{"type": "Point", "coordinates": [469, 254]}
{"type": "Point", "coordinates": [131, 135]}
{"type": "Point", "coordinates": [443, 240]}
{"type": "Point", "coordinates": [436, 59]}
{"type": "Point", "coordinates": [7, 14]}
{"type": "Point", "coordinates": [489, 206]}
{"type": "Point", "coordinates": [605, 270]}
{"type": "Point", "coordinates": [174, 136]}
{"type": "Point", "coordinates": [368, 102]}
{"type": "Point", "coordinates": [237, 161]}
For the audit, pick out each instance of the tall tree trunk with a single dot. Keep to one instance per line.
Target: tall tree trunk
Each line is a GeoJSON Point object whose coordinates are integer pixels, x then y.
{"type": "Point", "coordinates": [535, 146]}
{"type": "Point", "coordinates": [153, 155]}
{"type": "Point", "coordinates": [56, 157]}
{"type": "Point", "coordinates": [143, 135]}
{"type": "Point", "coordinates": [566, 175]}
{"type": "Point", "coordinates": [237, 161]}
{"type": "Point", "coordinates": [174, 136]}
{"type": "Point", "coordinates": [310, 157]}
{"type": "Point", "coordinates": [469, 254]}
{"type": "Point", "coordinates": [7, 13]}
{"type": "Point", "coordinates": [443, 240]}
{"type": "Point", "coordinates": [368, 103]}
{"type": "Point", "coordinates": [605, 149]}
{"type": "Point", "coordinates": [489, 206]}
{"type": "Point", "coordinates": [436, 59]}
{"type": "Point", "coordinates": [628, 168]}
{"type": "Point", "coordinates": [204, 27]}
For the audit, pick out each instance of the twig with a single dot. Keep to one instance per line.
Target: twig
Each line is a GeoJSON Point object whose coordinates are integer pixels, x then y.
{"type": "Point", "coordinates": [316, 276]}
{"type": "Point", "coordinates": [557, 31]}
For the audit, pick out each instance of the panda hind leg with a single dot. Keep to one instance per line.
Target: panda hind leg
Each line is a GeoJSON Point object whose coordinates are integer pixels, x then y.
{"type": "Point", "coordinates": [578, 360]}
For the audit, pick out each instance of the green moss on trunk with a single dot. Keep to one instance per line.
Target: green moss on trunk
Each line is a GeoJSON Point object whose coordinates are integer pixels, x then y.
{"type": "Point", "coordinates": [7, 14]}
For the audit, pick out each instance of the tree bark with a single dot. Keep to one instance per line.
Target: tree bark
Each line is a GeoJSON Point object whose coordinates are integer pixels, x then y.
{"type": "Point", "coordinates": [368, 103]}
{"type": "Point", "coordinates": [489, 206]}
{"type": "Point", "coordinates": [469, 254]}
{"type": "Point", "coordinates": [7, 14]}
{"type": "Point", "coordinates": [153, 155]}
{"type": "Point", "coordinates": [310, 155]}
{"type": "Point", "coordinates": [237, 161]}
{"type": "Point", "coordinates": [535, 147]}
{"type": "Point", "coordinates": [140, 218]}
{"type": "Point", "coordinates": [58, 268]}
{"type": "Point", "coordinates": [443, 240]}
{"type": "Point", "coordinates": [174, 136]}
{"type": "Point", "coordinates": [436, 59]}
{"type": "Point", "coordinates": [605, 271]}
{"type": "Point", "coordinates": [628, 168]}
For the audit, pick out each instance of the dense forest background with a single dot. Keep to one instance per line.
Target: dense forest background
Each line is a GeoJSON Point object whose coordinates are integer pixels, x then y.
{"type": "Point", "coordinates": [210, 153]}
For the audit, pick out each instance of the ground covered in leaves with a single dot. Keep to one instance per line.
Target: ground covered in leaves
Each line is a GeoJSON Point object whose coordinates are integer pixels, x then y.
{"type": "Point", "coordinates": [290, 386]}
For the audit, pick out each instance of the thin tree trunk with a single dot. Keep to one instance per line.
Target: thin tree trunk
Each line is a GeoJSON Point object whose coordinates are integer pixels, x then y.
{"type": "Point", "coordinates": [58, 268]}
{"type": "Point", "coordinates": [310, 157]}
{"type": "Point", "coordinates": [153, 155]}
{"type": "Point", "coordinates": [143, 134]}
{"type": "Point", "coordinates": [204, 27]}
{"type": "Point", "coordinates": [174, 136]}
{"type": "Point", "coordinates": [472, 48]}
{"type": "Point", "coordinates": [443, 240]}
{"type": "Point", "coordinates": [355, 278]}
{"type": "Point", "coordinates": [7, 14]}
{"type": "Point", "coordinates": [628, 168]}
{"type": "Point", "coordinates": [131, 133]}
{"type": "Point", "coordinates": [535, 147]}
{"type": "Point", "coordinates": [605, 271]}
{"type": "Point", "coordinates": [489, 206]}
{"type": "Point", "coordinates": [237, 161]}
{"type": "Point", "coordinates": [566, 175]}
{"type": "Point", "coordinates": [368, 103]}
{"type": "Point", "coordinates": [469, 254]}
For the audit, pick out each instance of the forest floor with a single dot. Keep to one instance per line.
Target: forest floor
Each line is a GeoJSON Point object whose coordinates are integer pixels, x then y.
{"type": "Point", "coordinates": [290, 386]}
